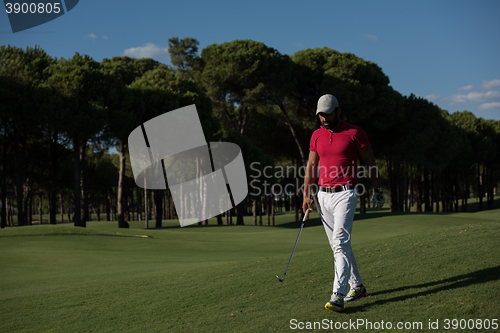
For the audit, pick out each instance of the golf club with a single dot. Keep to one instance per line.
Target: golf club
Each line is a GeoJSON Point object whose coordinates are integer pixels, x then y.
{"type": "Point", "coordinates": [305, 218]}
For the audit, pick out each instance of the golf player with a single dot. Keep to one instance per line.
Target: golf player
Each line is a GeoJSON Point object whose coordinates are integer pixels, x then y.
{"type": "Point", "coordinates": [337, 145]}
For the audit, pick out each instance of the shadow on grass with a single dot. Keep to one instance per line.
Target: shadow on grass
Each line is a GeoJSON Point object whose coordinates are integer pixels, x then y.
{"type": "Point", "coordinates": [358, 217]}
{"type": "Point", "coordinates": [473, 207]}
{"type": "Point", "coordinates": [385, 212]}
{"type": "Point", "coordinates": [186, 227]}
{"type": "Point", "coordinates": [456, 282]}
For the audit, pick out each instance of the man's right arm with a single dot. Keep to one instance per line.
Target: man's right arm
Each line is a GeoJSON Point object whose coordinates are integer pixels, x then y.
{"type": "Point", "coordinates": [310, 178]}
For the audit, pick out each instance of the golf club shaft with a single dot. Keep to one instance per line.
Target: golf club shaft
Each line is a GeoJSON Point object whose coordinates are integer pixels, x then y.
{"type": "Point", "coordinates": [302, 225]}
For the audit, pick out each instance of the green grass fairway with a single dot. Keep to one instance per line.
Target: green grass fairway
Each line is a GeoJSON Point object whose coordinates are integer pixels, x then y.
{"type": "Point", "coordinates": [418, 268]}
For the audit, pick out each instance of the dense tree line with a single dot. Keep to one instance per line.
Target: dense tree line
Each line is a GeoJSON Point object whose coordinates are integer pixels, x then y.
{"type": "Point", "coordinates": [60, 116]}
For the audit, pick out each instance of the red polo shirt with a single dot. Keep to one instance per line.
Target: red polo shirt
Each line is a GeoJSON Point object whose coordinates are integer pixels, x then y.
{"type": "Point", "coordinates": [338, 153]}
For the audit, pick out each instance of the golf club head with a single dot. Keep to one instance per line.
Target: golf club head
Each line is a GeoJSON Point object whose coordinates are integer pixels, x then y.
{"type": "Point", "coordinates": [281, 280]}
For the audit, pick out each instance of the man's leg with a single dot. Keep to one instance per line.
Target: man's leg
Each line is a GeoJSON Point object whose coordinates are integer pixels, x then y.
{"type": "Point", "coordinates": [355, 277]}
{"type": "Point", "coordinates": [326, 208]}
{"type": "Point", "coordinates": [337, 213]}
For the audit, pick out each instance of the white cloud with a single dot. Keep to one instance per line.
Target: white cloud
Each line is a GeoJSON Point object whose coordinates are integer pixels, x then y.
{"type": "Point", "coordinates": [485, 97]}
{"type": "Point", "coordinates": [490, 84]}
{"type": "Point", "coordinates": [486, 85]}
{"type": "Point", "coordinates": [489, 106]}
{"type": "Point", "coordinates": [91, 36]}
{"type": "Point", "coordinates": [475, 97]}
{"type": "Point", "coordinates": [469, 87]}
{"type": "Point", "coordinates": [149, 50]}
{"type": "Point", "coordinates": [371, 37]}
{"type": "Point", "coordinates": [432, 97]}
{"type": "Point", "coordinates": [105, 37]}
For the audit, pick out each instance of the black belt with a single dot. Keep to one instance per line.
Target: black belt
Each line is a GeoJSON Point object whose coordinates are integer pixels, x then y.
{"type": "Point", "coordinates": [336, 189]}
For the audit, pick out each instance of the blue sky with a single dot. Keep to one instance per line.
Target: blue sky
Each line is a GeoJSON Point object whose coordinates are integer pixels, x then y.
{"type": "Point", "coordinates": [445, 51]}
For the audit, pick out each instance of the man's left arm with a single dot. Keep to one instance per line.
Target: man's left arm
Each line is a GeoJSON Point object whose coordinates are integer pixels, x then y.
{"type": "Point", "coordinates": [366, 154]}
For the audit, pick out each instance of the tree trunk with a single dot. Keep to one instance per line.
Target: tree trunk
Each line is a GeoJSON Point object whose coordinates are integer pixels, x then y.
{"type": "Point", "coordinates": [30, 205]}
{"type": "Point", "coordinates": [61, 207]}
{"type": "Point", "coordinates": [76, 189]}
{"type": "Point", "coordinates": [444, 189]}
{"type": "Point", "coordinates": [3, 197]}
{"type": "Point", "coordinates": [407, 191]}
{"type": "Point", "coordinates": [433, 190]}
{"type": "Point", "coordinates": [84, 195]}
{"type": "Point", "coordinates": [157, 196]}
{"type": "Point", "coordinates": [490, 186]}
{"type": "Point", "coordinates": [402, 171]}
{"type": "Point", "coordinates": [146, 212]}
{"type": "Point", "coordinates": [165, 205]}
{"type": "Point", "coordinates": [240, 209]}
{"type": "Point", "coordinates": [40, 209]}
{"type": "Point", "coordinates": [468, 184]}
{"type": "Point", "coordinates": [392, 187]}
{"type": "Point", "coordinates": [294, 134]}
{"type": "Point", "coordinates": [153, 205]}
{"type": "Point", "coordinates": [26, 201]}
{"type": "Point", "coordinates": [127, 206]}
{"type": "Point", "coordinates": [463, 190]}
{"type": "Point", "coordinates": [484, 184]}
{"type": "Point", "coordinates": [8, 214]}
{"type": "Point", "coordinates": [437, 182]}
{"type": "Point", "coordinates": [254, 209]}
{"type": "Point", "coordinates": [259, 207]}
{"type": "Point", "coordinates": [480, 187]}
{"type": "Point", "coordinates": [19, 189]}
{"type": "Point", "coordinates": [427, 205]}
{"type": "Point", "coordinates": [447, 191]}
{"type": "Point", "coordinates": [111, 207]}
{"type": "Point", "coordinates": [273, 208]}
{"type": "Point", "coordinates": [296, 205]}
{"type": "Point", "coordinates": [418, 192]}
{"type": "Point", "coordinates": [108, 208]}
{"type": "Point", "coordinates": [456, 192]}
{"type": "Point", "coordinates": [139, 203]}
{"type": "Point", "coordinates": [68, 212]}
{"type": "Point", "coordinates": [120, 200]}
{"type": "Point", "coordinates": [53, 171]}
{"type": "Point", "coordinates": [268, 210]}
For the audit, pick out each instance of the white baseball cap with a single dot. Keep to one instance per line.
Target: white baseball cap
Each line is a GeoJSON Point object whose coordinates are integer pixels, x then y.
{"type": "Point", "coordinates": [327, 103]}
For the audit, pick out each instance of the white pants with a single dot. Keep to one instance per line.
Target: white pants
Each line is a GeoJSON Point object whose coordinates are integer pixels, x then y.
{"type": "Point", "coordinates": [337, 214]}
